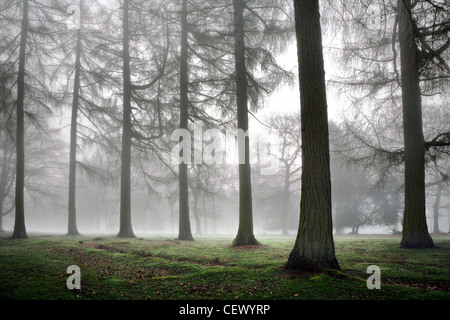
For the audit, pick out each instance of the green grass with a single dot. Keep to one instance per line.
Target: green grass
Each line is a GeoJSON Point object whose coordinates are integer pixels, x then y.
{"type": "Point", "coordinates": [209, 268]}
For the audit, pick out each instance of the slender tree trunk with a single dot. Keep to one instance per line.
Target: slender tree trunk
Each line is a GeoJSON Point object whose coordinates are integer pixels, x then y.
{"type": "Point", "coordinates": [245, 234]}
{"type": "Point", "coordinates": [396, 200]}
{"type": "Point", "coordinates": [2, 199]}
{"type": "Point", "coordinates": [72, 221]}
{"type": "Point", "coordinates": [437, 203]}
{"type": "Point", "coordinates": [285, 204]}
{"type": "Point", "coordinates": [415, 231]}
{"type": "Point", "coordinates": [448, 217]}
{"type": "Point", "coordinates": [5, 181]}
{"type": "Point", "coordinates": [205, 215]}
{"type": "Point", "coordinates": [172, 215]}
{"type": "Point", "coordinates": [198, 228]}
{"type": "Point", "coordinates": [126, 229]}
{"type": "Point", "coordinates": [213, 214]}
{"type": "Point", "coordinates": [314, 246]}
{"type": "Point", "coordinates": [184, 232]}
{"type": "Point", "coordinates": [19, 225]}
{"type": "Point", "coordinates": [5, 165]}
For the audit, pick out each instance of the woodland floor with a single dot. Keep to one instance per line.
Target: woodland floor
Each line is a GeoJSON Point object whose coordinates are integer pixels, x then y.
{"type": "Point", "coordinates": [161, 268]}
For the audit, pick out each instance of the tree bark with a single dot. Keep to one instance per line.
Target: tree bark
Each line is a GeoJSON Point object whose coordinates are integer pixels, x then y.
{"type": "Point", "coordinates": [184, 232]}
{"type": "Point", "coordinates": [19, 225]}
{"type": "Point", "coordinates": [245, 234]}
{"type": "Point", "coordinates": [72, 221]}
{"type": "Point", "coordinates": [415, 231]}
{"type": "Point", "coordinates": [126, 229]}
{"type": "Point", "coordinates": [314, 245]}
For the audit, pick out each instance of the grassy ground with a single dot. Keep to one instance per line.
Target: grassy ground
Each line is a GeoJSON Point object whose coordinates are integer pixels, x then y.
{"type": "Point", "coordinates": [209, 268]}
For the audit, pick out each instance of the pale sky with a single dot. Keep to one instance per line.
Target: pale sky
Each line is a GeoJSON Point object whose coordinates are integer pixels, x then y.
{"type": "Point", "coordinates": [287, 98]}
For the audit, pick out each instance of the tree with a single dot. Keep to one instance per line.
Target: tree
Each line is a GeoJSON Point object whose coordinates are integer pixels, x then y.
{"type": "Point", "coordinates": [126, 229]}
{"type": "Point", "coordinates": [208, 73]}
{"type": "Point", "coordinates": [6, 177]}
{"type": "Point", "coordinates": [314, 245]}
{"type": "Point", "coordinates": [269, 24]}
{"type": "Point", "coordinates": [364, 192]}
{"type": "Point", "coordinates": [33, 63]}
{"type": "Point", "coordinates": [245, 234]}
{"type": "Point", "coordinates": [399, 85]}
{"type": "Point", "coordinates": [43, 163]}
{"type": "Point", "coordinates": [288, 130]}
{"type": "Point", "coordinates": [184, 222]}
{"type": "Point", "coordinates": [351, 198]}
{"type": "Point", "coordinates": [72, 220]}
{"type": "Point", "coordinates": [201, 88]}
{"type": "Point", "coordinates": [436, 207]}
{"type": "Point", "coordinates": [86, 83]}
{"type": "Point", "coordinates": [19, 225]}
{"type": "Point", "coordinates": [93, 113]}
{"type": "Point", "coordinates": [198, 183]}
{"type": "Point", "coordinates": [441, 181]}
{"type": "Point", "coordinates": [131, 125]}
{"type": "Point", "coordinates": [7, 160]}
{"type": "Point", "coordinates": [415, 231]}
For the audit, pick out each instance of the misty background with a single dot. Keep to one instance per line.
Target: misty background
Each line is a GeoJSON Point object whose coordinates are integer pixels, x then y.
{"type": "Point", "coordinates": [367, 190]}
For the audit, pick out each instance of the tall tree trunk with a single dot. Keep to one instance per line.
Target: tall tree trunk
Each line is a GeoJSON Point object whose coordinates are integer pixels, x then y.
{"type": "Point", "coordinates": [415, 231]}
{"type": "Point", "coordinates": [184, 232]}
{"type": "Point", "coordinates": [19, 225]}
{"type": "Point", "coordinates": [72, 221]}
{"type": "Point", "coordinates": [314, 246]}
{"type": "Point", "coordinates": [126, 229]}
{"type": "Point", "coordinates": [245, 234]}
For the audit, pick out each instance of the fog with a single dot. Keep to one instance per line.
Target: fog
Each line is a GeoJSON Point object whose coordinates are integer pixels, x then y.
{"type": "Point", "coordinates": [130, 100]}
{"type": "Point", "coordinates": [154, 215]}
{"type": "Point", "coordinates": [160, 219]}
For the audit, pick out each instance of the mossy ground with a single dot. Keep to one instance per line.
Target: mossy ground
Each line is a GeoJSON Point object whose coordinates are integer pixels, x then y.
{"type": "Point", "coordinates": [161, 268]}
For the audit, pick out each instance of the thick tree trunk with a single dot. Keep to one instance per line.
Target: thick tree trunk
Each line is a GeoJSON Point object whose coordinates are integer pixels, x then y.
{"type": "Point", "coordinates": [19, 225]}
{"type": "Point", "coordinates": [415, 230]}
{"type": "Point", "coordinates": [184, 232]}
{"type": "Point", "coordinates": [72, 221]}
{"type": "Point", "coordinates": [126, 229]}
{"type": "Point", "coordinates": [314, 246]}
{"type": "Point", "coordinates": [245, 234]}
